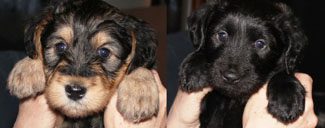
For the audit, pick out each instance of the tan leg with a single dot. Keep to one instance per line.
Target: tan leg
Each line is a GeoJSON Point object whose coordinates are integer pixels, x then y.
{"type": "Point", "coordinates": [138, 97]}
{"type": "Point", "coordinates": [27, 78]}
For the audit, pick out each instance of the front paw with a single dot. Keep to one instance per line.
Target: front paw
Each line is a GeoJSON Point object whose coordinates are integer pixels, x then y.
{"type": "Point", "coordinates": [286, 98]}
{"type": "Point", "coordinates": [193, 73]}
{"type": "Point", "coordinates": [138, 96]}
{"type": "Point", "coordinates": [27, 78]}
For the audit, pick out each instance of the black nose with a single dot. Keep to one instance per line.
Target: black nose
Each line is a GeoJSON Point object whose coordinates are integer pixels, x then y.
{"type": "Point", "coordinates": [75, 92]}
{"type": "Point", "coordinates": [230, 77]}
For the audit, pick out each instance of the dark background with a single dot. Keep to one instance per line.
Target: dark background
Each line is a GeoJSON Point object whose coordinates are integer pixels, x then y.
{"type": "Point", "coordinates": [311, 15]}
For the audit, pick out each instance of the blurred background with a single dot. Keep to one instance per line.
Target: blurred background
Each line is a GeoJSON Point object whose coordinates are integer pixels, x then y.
{"type": "Point", "coordinates": [309, 12]}
{"type": "Point", "coordinates": [15, 14]}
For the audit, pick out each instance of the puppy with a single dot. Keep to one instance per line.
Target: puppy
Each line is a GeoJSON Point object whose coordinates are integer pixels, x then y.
{"type": "Point", "coordinates": [80, 52]}
{"type": "Point", "coordinates": [240, 45]}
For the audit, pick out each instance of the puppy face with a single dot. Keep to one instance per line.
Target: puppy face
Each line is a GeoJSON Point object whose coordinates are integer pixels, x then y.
{"type": "Point", "coordinates": [245, 53]}
{"type": "Point", "coordinates": [87, 47]}
{"type": "Point", "coordinates": [242, 45]}
{"type": "Point", "coordinates": [82, 64]}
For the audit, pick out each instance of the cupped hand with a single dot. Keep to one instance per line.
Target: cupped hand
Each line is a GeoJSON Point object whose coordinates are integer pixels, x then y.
{"type": "Point", "coordinates": [256, 115]}
{"type": "Point", "coordinates": [185, 111]}
{"type": "Point", "coordinates": [35, 112]}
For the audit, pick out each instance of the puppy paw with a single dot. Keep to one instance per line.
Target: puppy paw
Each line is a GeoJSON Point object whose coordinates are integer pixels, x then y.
{"type": "Point", "coordinates": [138, 96]}
{"type": "Point", "coordinates": [193, 73]}
{"type": "Point", "coordinates": [26, 78]}
{"type": "Point", "coordinates": [286, 98]}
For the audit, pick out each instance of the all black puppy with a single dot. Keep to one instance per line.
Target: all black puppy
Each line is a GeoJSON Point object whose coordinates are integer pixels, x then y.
{"type": "Point", "coordinates": [240, 45]}
{"type": "Point", "coordinates": [80, 53]}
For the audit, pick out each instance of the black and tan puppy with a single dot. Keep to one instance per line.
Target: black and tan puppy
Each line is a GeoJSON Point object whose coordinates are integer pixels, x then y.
{"type": "Point", "coordinates": [79, 53]}
{"type": "Point", "coordinates": [240, 45]}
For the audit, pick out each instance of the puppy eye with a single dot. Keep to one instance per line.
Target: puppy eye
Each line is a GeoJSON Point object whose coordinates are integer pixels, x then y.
{"type": "Point", "coordinates": [103, 52]}
{"type": "Point", "coordinates": [60, 47]}
{"type": "Point", "coordinates": [260, 44]}
{"type": "Point", "coordinates": [222, 36]}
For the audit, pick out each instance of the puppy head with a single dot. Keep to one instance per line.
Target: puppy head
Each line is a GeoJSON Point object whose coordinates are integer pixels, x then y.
{"type": "Point", "coordinates": [87, 46]}
{"type": "Point", "coordinates": [245, 42]}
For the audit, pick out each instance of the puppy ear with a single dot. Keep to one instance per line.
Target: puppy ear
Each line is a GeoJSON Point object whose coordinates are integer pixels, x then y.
{"type": "Point", "coordinates": [33, 33]}
{"type": "Point", "coordinates": [34, 30]}
{"type": "Point", "coordinates": [292, 36]}
{"type": "Point", "coordinates": [198, 21]}
{"type": "Point", "coordinates": [146, 45]}
{"type": "Point", "coordinates": [196, 24]}
{"type": "Point", "coordinates": [27, 77]}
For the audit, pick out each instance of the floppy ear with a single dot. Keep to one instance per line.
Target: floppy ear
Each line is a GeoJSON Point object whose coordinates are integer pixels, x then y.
{"type": "Point", "coordinates": [145, 52]}
{"type": "Point", "coordinates": [27, 77]}
{"type": "Point", "coordinates": [198, 21]}
{"type": "Point", "coordinates": [196, 24]}
{"type": "Point", "coordinates": [294, 41]}
{"type": "Point", "coordinates": [33, 33]}
{"type": "Point", "coordinates": [138, 87]}
{"type": "Point", "coordinates": [292, 35]}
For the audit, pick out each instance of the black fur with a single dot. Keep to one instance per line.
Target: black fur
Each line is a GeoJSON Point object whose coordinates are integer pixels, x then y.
{"type": "Point", "coordinates": [227, 35]}
{"type": "Point", "coordinates": [86, 18]}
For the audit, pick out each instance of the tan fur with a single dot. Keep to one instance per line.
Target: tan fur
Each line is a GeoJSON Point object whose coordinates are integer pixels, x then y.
{"type": "Point", "coordinates": [99, 91]}
{"type": "Point", "coordinates": [137, 94]}
{"type": "Point", "coordinates": [100, 38]}
{"type": "Point", "coordinates": [26, 78]}
{"type": "Point", "coordinates": [37, 36]}
{"type": "Point", "coordinates": [121, 73]}
{"type": "Point", "coordinates": [138, 97]}
{"type": "Point", "coordinates": [65, 32]}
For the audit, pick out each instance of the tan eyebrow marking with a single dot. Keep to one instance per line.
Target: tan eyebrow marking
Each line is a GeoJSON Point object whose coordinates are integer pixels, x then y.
{"type": "Point", "coordinates": [66, 33]}
{"type": "Point", "coordinates": [100, 38]}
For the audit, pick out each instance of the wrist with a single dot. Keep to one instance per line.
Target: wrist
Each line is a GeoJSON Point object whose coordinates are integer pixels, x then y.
{"type": "Point", "coordinates": [175, 121]}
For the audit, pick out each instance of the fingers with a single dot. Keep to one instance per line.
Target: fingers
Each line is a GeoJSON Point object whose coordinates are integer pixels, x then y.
{"type": "Point", "coordinates": [309, 115]}
{"type": "Point", "coordinates": [35, 110]}
{"type": "Point", "coordinates": [305, 80]}
{"type": "Point", "coordinates": [161, 88]}
{"type": "Point", "coordinates": [162, 114]}
{"type": "Point", "coordinates": [312, 121]}
{"type": "Point", "coordinates": [196, 96]}
{"type": "Point", "coordinates": [157, 78]}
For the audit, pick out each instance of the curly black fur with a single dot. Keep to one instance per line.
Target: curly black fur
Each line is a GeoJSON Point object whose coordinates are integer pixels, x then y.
{"type": "Point", "coordinates": [240, 45]}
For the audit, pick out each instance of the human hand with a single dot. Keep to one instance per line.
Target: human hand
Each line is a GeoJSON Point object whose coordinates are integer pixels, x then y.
{"type": "Point", "coordinates": [256, 115]}
{"type": "Point", "coordinates": [113, 119]}
{"type": "Point", "coordinates": [35, 112]}
{"type": "Point", "coordinates": [185, 111]}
